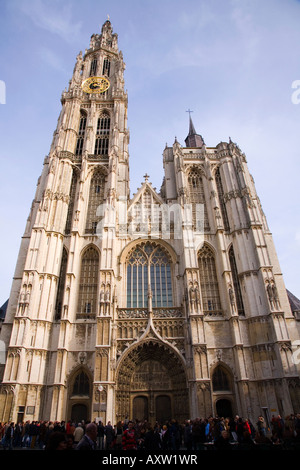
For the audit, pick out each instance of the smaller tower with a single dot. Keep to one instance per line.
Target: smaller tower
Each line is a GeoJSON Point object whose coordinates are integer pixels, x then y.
{"type": "Point", "coordinates": [193, 139]}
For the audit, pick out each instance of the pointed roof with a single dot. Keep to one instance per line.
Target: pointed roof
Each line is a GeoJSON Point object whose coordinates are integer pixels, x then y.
{"type": "Point", "coordinates": [146, 186]}
{"type": "Point", "coordinates": [193, 139]}
{"type": "Point", "coordinates": [294, 301]}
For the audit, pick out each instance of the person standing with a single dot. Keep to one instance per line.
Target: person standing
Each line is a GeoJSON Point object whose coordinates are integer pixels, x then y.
{"type": "Point", "coordinates": [89, 440]}
{"type": "Point", "coordinates": [100, 435]}
{"type": "Point", "coordinates": [78, 433]}
{"type": "Point", "coordinates": [9, 436]}
{"type": "Point", "coordinates": [129, 439]}
{"type": "Point", "coordinates": [110, 435]}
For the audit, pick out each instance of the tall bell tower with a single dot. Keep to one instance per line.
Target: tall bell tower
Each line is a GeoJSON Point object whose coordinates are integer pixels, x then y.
{"type": "Point", "coordinates": [51, 329]}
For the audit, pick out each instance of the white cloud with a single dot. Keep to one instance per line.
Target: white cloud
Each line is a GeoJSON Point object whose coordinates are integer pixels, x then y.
{"type": "Point", "coordinates": [52, 16]}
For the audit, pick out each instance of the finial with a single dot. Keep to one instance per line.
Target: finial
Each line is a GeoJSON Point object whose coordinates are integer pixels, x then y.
{"type": "Point", "coordinates": [189, 111]}
{"type": "Point", "coordinates": [108, 19]}
{"type": "Point", "coordinates": [146, 176]}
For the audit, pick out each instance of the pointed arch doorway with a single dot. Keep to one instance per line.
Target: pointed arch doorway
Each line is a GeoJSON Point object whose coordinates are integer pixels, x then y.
{"type": "Point", "coordinates": [79, 396]}
{"type": "Point", "coordinates": [151, 384]}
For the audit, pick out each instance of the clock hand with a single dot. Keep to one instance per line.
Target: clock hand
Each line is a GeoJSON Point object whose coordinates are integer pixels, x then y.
{"type": "Point", "coordinates": [93, 86]}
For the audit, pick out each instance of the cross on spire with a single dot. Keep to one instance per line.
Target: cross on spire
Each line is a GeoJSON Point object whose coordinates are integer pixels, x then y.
{"type": "Point", "coordinates": [146, 176]}
{"type": "Point", "coordinates": [189, 111]}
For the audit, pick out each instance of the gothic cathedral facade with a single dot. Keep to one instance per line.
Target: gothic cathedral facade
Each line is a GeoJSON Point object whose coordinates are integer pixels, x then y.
{"type": "Point", "coordinates": [167, 304]}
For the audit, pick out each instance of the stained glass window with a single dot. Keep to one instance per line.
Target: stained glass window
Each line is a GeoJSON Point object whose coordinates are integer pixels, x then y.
{"type": "Point", "coordinates": [148, 266]}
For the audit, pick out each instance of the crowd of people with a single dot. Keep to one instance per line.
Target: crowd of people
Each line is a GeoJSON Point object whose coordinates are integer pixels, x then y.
{"type": "Point", "coordinates": [192, 435]}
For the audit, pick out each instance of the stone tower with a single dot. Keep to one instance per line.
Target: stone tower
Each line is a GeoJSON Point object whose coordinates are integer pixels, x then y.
{"type": "Point", "coordinates": [168, 304]}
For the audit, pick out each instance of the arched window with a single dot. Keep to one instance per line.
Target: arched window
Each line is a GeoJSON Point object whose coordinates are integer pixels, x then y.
{"type": "Point", "coordinates": [220, 380]}
{"type": "Point", "coordinates": [81, 386]}
{"type": "Point", "coordinates": [88, 284]}
{"type": "Point", "coordinates": [236, 283]}
{"type": "Point", "coordinates": [148, 266]}
{"type": "Point", "coordinates": [61, 285]}
{"type": "Point", "coordinates": [209, 282]}
{"type": "Point", "coordinates": [96, 197]}
{"type": "Point", "coordinates": [106, 67]}
{"type": "Point", "coordinates": [81, 134]}
{"type": "Point", "coordinates": [93, 69]}
{"type": "Point", "coordinates": [102, 135]}
{"type": "Point", "coordinates": [197, 196]}
{"type": "Point", "coordinates": [72, 194]}
{"type": "Point", "coordinates": [221, 199]}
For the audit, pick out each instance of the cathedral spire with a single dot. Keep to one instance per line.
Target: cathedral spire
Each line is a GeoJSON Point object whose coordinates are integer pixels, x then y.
{"type": "Point", "coordinates": [193, 139]}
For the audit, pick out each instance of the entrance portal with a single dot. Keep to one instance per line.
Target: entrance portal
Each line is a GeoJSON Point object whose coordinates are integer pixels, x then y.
{"type": "Point", "coordinates": [151, 384]}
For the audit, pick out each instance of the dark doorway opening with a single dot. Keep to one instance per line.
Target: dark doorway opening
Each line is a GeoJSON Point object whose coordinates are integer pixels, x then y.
{"type": "Point", "coordinates": [163, 409]}
{"type": "Point", "coordinates": [79, 413]}
{"type": "Point", "coordinates": [224, 408]}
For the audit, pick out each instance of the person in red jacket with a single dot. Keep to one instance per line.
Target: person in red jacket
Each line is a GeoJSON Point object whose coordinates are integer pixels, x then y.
{"type": "Point", "coordinates": [129, 440]}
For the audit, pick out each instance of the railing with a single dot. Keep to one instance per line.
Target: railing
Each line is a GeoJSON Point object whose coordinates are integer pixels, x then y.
{"type": "Point", "coordinates": [158, 312]}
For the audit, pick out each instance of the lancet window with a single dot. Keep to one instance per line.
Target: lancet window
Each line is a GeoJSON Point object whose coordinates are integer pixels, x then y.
{"type": "Point", "coordinates": [106, 67]}
{"type": "Point", "coordinates": [81, 386]}
{"type": "Point", "coordinates": [96, 197]}
{"type": "Point", "coordinates": [72, 194]}
{"type": "Point", "coordinates": [102, 135]}
{"type": "Point", "coordinates": [221, 199]}
{"type": "Point", "coordinates": [220, 380]}
{"type": "Point", "coordinates": [93, 69]}
{"type": "Point", "coordinates": [88, 284]}
{"type": "Point", "coordinates": [197, 196]}
{"type": "Point", "coordinates": [209, 282]}
{"type": "Point", "coordinates": [236, 283]}
{"type": "Point", "coordinates": [81, 134]}
{"type": "Point", "coordinates": [61, 285]}
{"type": "Point", "coordinates": [149, 274]}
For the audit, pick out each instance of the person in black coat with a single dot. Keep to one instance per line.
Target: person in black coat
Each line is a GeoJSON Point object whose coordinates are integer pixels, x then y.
{"type": "Point", "coordinates": [152, 441]}
{"type": "Point", "coordinates": [89, 440]}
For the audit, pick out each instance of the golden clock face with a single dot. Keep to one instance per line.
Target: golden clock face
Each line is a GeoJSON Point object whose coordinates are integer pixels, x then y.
{"type": "Point", "coordinates": [95, 85]}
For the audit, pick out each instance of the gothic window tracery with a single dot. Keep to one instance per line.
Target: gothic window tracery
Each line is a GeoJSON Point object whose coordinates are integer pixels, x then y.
{"type": "Point", "coordinates": [71, 203]}
{"type": "Point", "coordinates": [81, 134]}
{"type": "Point", "coordinates": [88, 284]}
{"type": "Point", "coordinates": [81, 386]}
{"type": "Point", "coordinates": [209, 281]}
{"type": "Point", "coordinates": [197, 196]}
{"type": "Point", "coordinates": [93, 69]}
{"type": "Point", "coordinates": [149, 269]}
{"type": "Point", "coordinates": [61, 285]}
{"type": "Point", "coordinates": [106, 67]}
{"type": "Point", "coordinates": [220, 380]}
{"type": "Point", "coordinates": [96, 197]}
{"type": "Point", "coordinates": [102, 135]}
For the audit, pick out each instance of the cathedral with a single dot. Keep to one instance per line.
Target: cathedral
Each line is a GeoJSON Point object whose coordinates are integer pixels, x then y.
{"type": "Point", "coordinates": [167, 304]}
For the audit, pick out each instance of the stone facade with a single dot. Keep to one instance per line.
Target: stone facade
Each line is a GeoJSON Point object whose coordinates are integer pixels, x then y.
{"type": "Point", "coordinates": [168, 304]}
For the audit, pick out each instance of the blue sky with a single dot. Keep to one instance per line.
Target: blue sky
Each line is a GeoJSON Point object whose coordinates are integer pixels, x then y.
{"type": "Point", "coordinates": [232, 62]}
